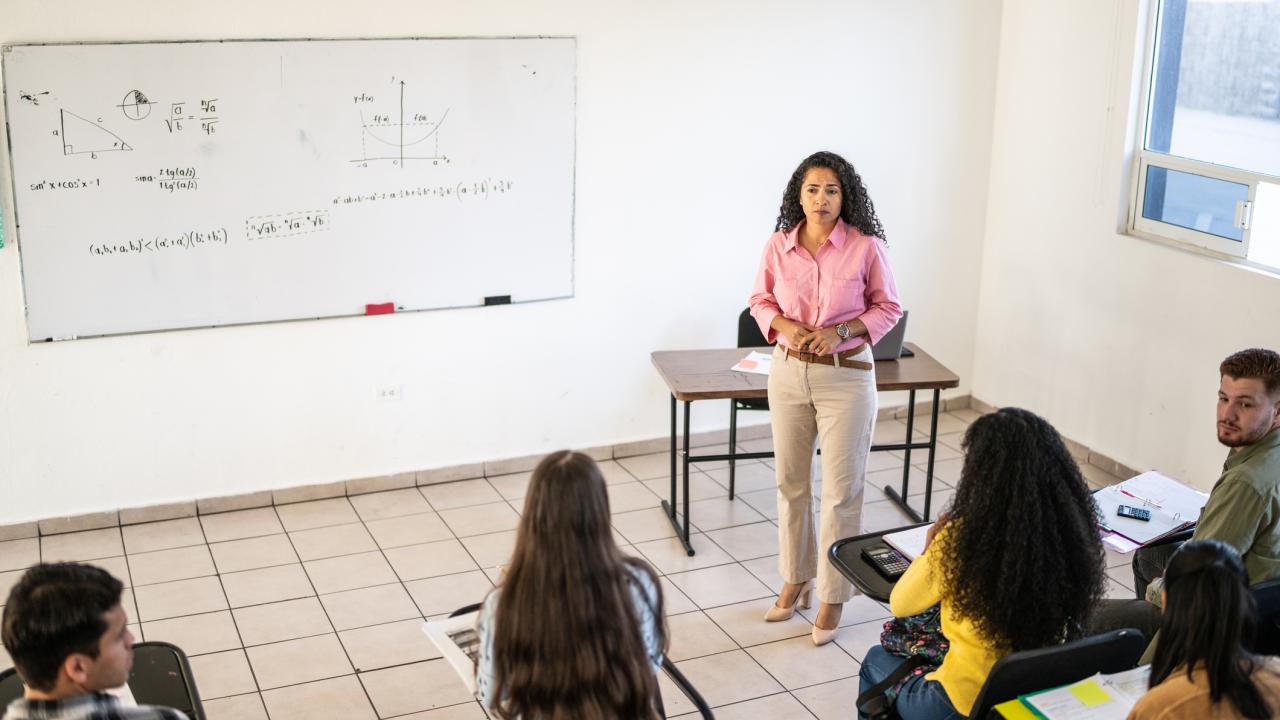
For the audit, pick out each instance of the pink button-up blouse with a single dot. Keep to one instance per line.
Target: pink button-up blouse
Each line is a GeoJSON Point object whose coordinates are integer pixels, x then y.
{"type": "Point", "coordinates": [850, 279]}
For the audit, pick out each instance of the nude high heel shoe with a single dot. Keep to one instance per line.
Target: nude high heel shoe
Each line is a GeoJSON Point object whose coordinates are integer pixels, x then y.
{"type": "Point", "coordinates": [822, 636]}
{"type": "Point", "coordinates": [778, 614]}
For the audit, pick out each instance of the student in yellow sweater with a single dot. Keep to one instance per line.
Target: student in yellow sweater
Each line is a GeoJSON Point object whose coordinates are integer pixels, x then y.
{"type": "Point", "coordinates": [1015, 562]}
{"type": "Point", "coordinates": [1201, 669]}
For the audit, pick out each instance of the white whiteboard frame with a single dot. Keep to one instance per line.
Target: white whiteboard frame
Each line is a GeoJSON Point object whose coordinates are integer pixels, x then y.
{"type": "Point", "coordinates": [16, 236]}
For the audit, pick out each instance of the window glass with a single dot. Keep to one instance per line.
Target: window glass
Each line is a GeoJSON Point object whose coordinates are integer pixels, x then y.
{"type": "Point", "coordinates": [1193, 201]}
{"type": "Point", "coordinates": [1215, 94]}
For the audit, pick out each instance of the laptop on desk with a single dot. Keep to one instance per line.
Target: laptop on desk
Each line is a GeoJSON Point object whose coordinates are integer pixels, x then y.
{"type": "Point", "coordinates": [890, 346]}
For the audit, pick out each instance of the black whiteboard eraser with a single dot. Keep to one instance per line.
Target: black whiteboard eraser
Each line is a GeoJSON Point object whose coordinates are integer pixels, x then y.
{"type": "Point", "coordinates": [498, 300]}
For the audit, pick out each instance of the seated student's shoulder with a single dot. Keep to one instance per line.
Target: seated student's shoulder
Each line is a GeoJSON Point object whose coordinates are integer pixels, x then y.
{"type": "Point", "coordinates": [1180, 698]}
{"type": "Point", "coordinates": [1267, 676]}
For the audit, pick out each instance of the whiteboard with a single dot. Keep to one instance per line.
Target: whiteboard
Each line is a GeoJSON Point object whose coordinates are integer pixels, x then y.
{"type": "Point", "coordinates": [193, 184]}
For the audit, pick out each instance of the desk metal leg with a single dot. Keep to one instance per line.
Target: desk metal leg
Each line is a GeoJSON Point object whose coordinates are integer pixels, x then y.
{"type": "Point", "coordinates": [733, 442]}
{"type": "Point", "coordinates": [901, 497]}
{"type": "Point", "coordinates": [933, 444]}
{"type": "Point", "coordinates": [906, 462]}
{"type": "Point", "coordinates": [681, 526]}
{"type": "Point", "coordinates": [673, 455]}
{"type": "Point", "coordinates": [684, 536]}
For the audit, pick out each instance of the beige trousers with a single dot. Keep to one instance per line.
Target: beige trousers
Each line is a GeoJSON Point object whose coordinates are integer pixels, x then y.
{"type": "Point", "coordinates": [837, 407]}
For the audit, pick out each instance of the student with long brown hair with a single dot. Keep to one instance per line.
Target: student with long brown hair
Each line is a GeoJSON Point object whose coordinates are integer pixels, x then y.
{"type": "Point", "coordinates": [575, 629]}
{"type": "Point", "coordinates": [1201, 667]}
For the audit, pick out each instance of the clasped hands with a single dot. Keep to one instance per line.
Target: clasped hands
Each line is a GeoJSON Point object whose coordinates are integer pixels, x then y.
{"type": "Point", "coordinates": [820, 341]}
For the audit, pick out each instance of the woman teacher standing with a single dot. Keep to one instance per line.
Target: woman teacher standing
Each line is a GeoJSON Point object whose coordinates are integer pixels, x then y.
{"type": "Point", "coordinates": [824, 293]}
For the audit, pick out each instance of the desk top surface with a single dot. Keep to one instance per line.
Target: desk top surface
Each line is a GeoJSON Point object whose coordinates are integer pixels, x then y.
{"type": "Point", "coordinates": [705, 374]}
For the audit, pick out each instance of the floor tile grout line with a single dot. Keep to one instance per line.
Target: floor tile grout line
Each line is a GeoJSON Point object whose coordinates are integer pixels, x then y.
{"type": "Point", "coordinates": [235, 624]}
{"type": "Point", "coordinates": [329, 619]}
{"type": "Point", "coordinates": [405, 588]}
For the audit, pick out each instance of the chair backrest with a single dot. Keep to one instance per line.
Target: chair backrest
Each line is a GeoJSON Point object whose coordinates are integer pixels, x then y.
{"type": "Point", "coordinates": [10, 688]}
{"type": "Point", "coordinates": [687, 688]}
{"type": "Point", "coordinates": [1031, 670]}
{"type": "Point", "coordinates": [749, 334]}
{"type": "Point", "coordinates": [465, 609]}
{"type": "Point", "coordinates": [162, 676]}
{"type": "Point", "coordinates": [1266, 639]}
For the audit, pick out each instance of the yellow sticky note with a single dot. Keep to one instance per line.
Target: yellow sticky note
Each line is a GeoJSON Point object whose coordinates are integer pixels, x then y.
{"type": "Point", "coordinates": [1015, 710]}
{"type": "Point", "coordinates": [1090, 693]}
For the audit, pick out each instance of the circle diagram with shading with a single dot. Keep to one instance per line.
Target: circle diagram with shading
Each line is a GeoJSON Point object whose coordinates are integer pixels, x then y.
{"type": "Point", "coordinates": [135, 105]}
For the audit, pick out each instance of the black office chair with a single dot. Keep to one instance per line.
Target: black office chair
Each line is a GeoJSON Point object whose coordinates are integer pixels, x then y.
{"type": "Point", "coordinates": [1031, 670]}
{"type": "Point", "coordinates": [1266, 637]}
{"type": "Point", "coordinates": [161, 676]}
{"type": "Point", "coordinates": [10, 688]}
{"type": "Point", "coordinates": [749, 335]}
{"type": "Point", "coordinates": [668, 667]}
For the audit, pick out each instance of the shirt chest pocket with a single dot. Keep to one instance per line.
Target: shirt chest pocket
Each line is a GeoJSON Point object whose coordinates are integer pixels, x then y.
{"type": "Point", "coordinates": [793, 290]}
{"type": "Point", "coordinates": [846, 292]}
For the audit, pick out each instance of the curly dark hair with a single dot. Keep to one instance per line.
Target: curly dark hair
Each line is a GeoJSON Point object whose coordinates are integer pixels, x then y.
{"type": "Point", "coordinates": [1025, 563]}
{"type": "Point", "coordinates": [856, 208]}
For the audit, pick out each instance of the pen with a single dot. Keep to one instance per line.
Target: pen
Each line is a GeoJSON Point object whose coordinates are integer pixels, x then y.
{"type": "Point", "coordinates": [1152, 503]}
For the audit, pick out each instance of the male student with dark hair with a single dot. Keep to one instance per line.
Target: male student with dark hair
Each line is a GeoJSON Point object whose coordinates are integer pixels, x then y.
{"type": "Point", "coordinates": [1244, 506]}
{"type": "Point", "coordinates": [65, 629]}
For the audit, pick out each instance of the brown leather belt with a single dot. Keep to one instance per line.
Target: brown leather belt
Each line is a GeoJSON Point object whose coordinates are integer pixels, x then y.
{"type": "Point", "coordinates": [846, 357]}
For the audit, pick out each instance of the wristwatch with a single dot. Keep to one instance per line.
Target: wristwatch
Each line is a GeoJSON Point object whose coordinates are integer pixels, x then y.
{"type": "Point", "coordinates": [843, 331]}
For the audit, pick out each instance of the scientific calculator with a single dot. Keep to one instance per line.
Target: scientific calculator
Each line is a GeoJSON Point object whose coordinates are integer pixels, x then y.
{"type": "Point", "coordinates": [888, 562]}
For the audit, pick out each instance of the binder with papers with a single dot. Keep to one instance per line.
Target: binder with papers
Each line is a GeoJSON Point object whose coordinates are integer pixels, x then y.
{"type": "Point", "coordinates": [1174, 507]}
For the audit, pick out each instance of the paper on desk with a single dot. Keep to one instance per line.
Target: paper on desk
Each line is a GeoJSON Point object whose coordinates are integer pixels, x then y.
{"type": "Point", "coordinates": [1101, 697]}
{"type": "Point", "coordinates": [909, 542]}
{"type": "Point", "coordinates": [1119, 543]}
{"type": "Point", "coordinates": [457, 640]}
{"type": "Point", "coordinates": [755, 362]}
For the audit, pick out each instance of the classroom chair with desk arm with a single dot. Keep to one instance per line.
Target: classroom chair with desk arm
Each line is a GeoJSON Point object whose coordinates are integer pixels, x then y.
{"type": "Point", "coordinates": [1017, 673]}
{"type": "Point", "coordinates": [668, 667]}
{"type": "Point", "coordinates": [161, 675]}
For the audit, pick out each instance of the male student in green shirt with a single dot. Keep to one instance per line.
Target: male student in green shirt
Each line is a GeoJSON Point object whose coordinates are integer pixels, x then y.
{"type": "Point", "coordinates": [1244, 506]}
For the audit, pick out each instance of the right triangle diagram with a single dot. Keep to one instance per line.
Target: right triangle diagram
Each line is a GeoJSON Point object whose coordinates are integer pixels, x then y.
{"type": "Point", "coordinates": [85, 136]}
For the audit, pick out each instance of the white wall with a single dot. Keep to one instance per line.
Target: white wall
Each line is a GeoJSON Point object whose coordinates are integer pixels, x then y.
{"type": "Point", "coordinates": [690, 118]}
{"type": "Point", "coordinates": [1117, 340]}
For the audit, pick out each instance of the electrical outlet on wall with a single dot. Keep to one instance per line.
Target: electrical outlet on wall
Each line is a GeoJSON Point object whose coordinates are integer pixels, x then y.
{"type": "Point", "coordinates": [389, 393]}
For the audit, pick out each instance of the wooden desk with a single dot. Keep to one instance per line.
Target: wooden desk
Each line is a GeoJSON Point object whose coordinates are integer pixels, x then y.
{"type": "Point", "coordinates": [705, 375]}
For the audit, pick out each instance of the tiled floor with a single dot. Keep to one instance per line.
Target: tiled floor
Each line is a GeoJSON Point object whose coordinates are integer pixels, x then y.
{"type": "Point", "coordinates": [312, 610]}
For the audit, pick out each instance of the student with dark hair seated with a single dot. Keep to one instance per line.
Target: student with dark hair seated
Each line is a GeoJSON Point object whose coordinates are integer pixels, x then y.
{"type": "Point", "coordinates": [575, 629]}
{"type": "Point", "coordinates": [1201, 669]}
{"type": "Point", "coordinates": [1015, 563]}
{"type": "Point", "coordinates": [65, 629]}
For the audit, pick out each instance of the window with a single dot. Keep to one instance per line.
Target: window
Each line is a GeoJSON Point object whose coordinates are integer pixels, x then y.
{"type": "Point", "coordinates": [1208, 170]}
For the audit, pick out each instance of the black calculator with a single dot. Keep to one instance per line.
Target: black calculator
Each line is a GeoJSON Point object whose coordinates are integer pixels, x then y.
{"type": "Point", "coordinates": [887, 561]}
{"type": "Point", "coordinates": [1134, 512]}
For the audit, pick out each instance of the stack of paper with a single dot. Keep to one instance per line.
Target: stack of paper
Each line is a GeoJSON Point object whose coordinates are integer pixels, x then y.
{"type": "Point", "coordinates": [1173, 507]}
{"type": "Point", "coordinates": [755, 362]}
{"type": "Point", "coordinates": [1101, 697]}
{"type": "Point", "coordinates": [457, 640]}
{"type": "Point", "coordinates": [909, 542]}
